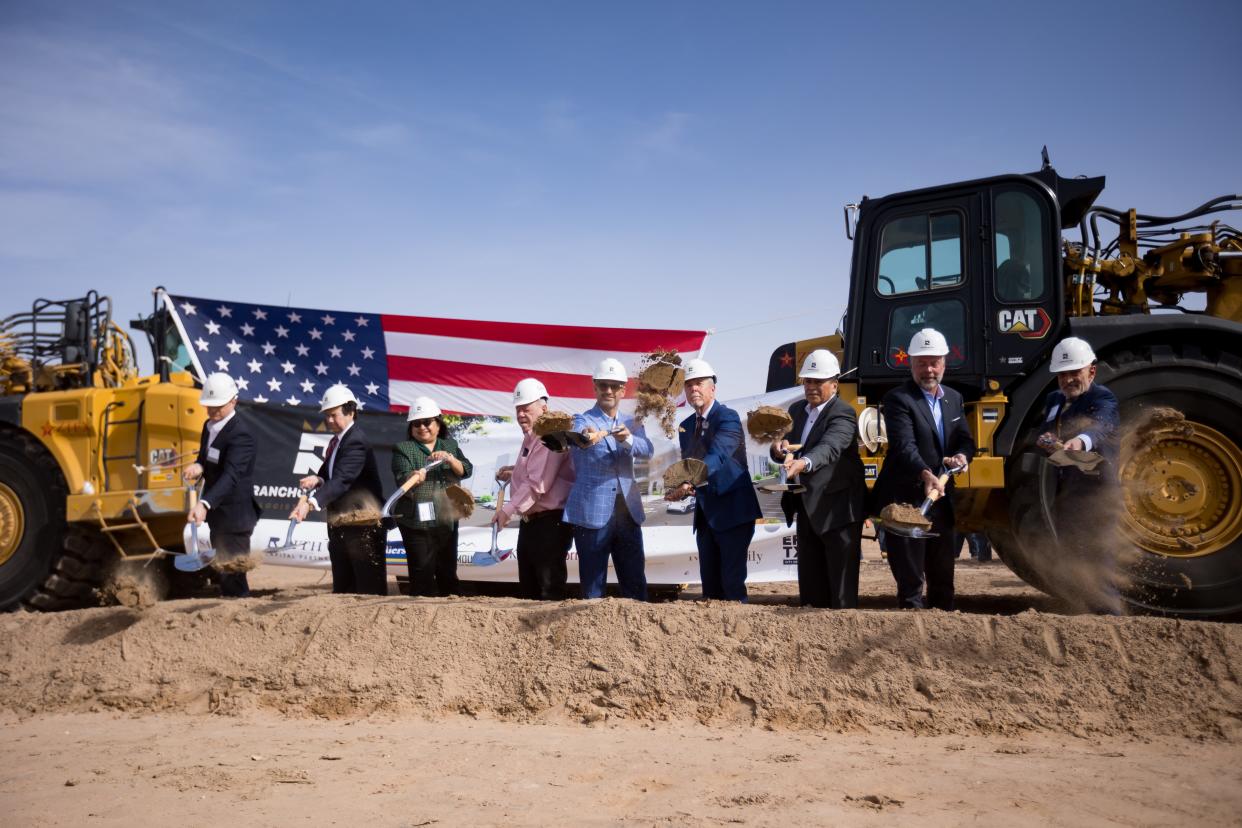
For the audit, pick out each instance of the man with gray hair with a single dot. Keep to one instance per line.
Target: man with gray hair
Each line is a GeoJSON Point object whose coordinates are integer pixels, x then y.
{"type": "Point", "coordinates": [540, 482]}
{"type": "Point", "coordinates": [927, 435]}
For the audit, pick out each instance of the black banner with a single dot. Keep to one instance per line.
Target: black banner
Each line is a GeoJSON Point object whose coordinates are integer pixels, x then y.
{"type": "Point", "coordinates": [292, 441]}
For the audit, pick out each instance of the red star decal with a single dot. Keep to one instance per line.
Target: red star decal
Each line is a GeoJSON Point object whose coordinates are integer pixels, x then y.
{"type": "Point", "coordinates": [901, 357]}
{"type": "Point", "coordinates": [47, 429]}
{"type": "Point", "coordinates": [957, 352]}
{"type": "Point", "coordinates": [786, 360]}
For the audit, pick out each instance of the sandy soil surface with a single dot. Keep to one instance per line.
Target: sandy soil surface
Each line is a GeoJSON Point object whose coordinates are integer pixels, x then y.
{"type": "Point", "coordinates": [297, 706]}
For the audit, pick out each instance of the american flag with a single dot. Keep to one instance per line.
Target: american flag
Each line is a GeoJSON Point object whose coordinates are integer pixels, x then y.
{"type": "Point", "coordinates": [290, 356]}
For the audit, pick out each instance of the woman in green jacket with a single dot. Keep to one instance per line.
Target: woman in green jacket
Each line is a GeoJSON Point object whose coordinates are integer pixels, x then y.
{"type": "Point", "coordinates": [424, 516]}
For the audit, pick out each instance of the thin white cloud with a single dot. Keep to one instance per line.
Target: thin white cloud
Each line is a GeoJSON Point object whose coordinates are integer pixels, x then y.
{"type": "Point", "coordinates": [667, 136]}
{"type": "Point", "coordinates": [79, 113]}
{"type": "Point", "coordinates": [379, 136]}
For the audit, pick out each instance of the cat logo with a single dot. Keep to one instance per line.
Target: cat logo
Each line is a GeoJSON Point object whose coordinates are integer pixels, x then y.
{"type": "Point", "coordinates": [1028, 323]}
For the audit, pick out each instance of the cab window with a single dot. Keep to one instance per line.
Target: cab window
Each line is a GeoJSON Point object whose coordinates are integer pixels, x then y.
{"type": "Point", "coordinates": [1020, 272]}
{"type": "Point", "coordinates": [947, 316]}
{"type": "Point", "coordinates": [919, 253]}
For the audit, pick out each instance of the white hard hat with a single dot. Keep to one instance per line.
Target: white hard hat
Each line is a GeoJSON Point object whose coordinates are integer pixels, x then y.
{"type": "Point", "coordinates": [424, 408]}
{"type": "Point", "coordinates": [336, 396]}
{"type": "Point", "coordinates": [610, 369]}
{"type": "Point", "coordinates": [218, 389]}
{"type": "Point", "coordinates": [820, 364]}
{"type": "Point", "coordinates": [928, 342]}
{"type": "Point", "coordinates": [1070, 355]}
{"type": "Point", "coordinates": [699, 368]}
{"type": "Point", "coordinates": [527, 391]}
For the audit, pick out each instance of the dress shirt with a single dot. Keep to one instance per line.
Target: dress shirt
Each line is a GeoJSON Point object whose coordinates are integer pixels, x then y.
{"type": "Point", "coordinates": [933, 401]}
{"type": "Point", "coordinates": [214, 427]}
{"type": "Point", "coordinates": [812, 414]}
{"type": "Point", "coordinates": [541, 479]}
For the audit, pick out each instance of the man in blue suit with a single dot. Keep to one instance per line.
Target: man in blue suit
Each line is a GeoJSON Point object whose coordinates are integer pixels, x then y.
{"type": "Point", "coordinates": [725, 505]}
{"type": "Point", "coordinates": [1084, 416]}
{"type": "Point", "coordinates": [604, 504]}
{"type": "Point", "coordinates": [927, 434]}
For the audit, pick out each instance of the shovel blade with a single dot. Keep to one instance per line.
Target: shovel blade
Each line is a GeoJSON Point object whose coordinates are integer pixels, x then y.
{"type": "Point", "coordinates": [491, 557]}
{"type": "Point", "coordinates": [909, 531]}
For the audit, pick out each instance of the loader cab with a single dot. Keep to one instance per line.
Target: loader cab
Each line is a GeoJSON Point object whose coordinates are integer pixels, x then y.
{"type": "Point", "coordinates": [979, 261]}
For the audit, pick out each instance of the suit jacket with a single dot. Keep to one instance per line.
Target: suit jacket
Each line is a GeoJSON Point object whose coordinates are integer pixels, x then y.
{"type": "Point", "coordinates": [835, 487]}
{"type": "Point", "coordinates": [228, 477]}
{"type": "Point", "coordinates": [1094, 413]}
{"type": "Point", "coordinates": [355, 477]}
{"type": "Point", "coordinates": [603, 470]}
{"type": "Point", "coordinates": [727, 499]}
{"type": "Point", "coordinates": [914, 445]}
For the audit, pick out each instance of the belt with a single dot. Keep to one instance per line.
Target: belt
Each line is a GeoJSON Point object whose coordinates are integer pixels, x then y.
{"type": "Point", "coordinates": [547, 513]}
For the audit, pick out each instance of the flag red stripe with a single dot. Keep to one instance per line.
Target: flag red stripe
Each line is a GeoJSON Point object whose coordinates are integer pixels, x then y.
{"type": "Point", "coordinates": [486, 377]}
{"type": "Point", "coordinates": [623, 340]}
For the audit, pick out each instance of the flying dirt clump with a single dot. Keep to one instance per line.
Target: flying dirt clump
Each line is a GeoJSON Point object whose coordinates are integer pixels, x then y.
{"type": "Point", "coordinates": [1155, 425]}
{"type": "Point", "coordinates": [134, 586]}
{"type": "Point", "coordinates": [661, 379]}
{"type": "Point", "coordinates": [356, 509]}
{"type": "Point", "coordinates": [767, 424]}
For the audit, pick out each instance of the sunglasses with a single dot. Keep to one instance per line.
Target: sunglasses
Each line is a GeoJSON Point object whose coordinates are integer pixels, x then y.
{"type": "Point", "coordinates": [610, 386]}
{"type": "Point", "coordinates": [422, 423]}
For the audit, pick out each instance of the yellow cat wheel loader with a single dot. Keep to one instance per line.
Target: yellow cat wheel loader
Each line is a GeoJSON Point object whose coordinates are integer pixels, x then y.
{"type": "Point", "coordinates": [1159, 298]}
{"type": "Point", "coordinates": [90, 452]}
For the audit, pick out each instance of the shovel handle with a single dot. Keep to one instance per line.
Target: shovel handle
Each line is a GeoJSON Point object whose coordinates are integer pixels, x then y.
{"type": "Point", "coordinates": [935, 493]}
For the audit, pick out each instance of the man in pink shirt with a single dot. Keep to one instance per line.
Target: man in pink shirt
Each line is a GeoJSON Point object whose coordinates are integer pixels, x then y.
{"type": "Point", "coordinates": [539, 484]}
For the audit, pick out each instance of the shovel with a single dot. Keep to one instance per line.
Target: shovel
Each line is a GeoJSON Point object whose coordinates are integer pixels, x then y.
{"type": "Point", "coordinates": [293, 523]}
{"type": "Point", "coordinates": [907, 530]}
{"type": "Point", "coordinates": [192, 560]}
{"type": "Point", "coordinates": [783, 484]}
{"type": "Point", "coordinates": [494, 555]}
{"type": "Point", "coordinates": [386, 518]}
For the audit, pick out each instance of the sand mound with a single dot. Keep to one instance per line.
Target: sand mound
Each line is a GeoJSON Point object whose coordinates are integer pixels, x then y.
{"type": "Point", "coordinates": [778, 667]}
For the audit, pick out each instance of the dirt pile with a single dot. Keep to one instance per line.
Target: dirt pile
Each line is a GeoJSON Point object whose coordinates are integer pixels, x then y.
{"type": "Point", "coordinates": [778, 667]}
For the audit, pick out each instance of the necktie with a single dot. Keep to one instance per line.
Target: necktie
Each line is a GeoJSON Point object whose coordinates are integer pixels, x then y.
{"type": "Point", "coordinates": [698, 428]}
{"type": "Point", "coordinates": [327, 456]}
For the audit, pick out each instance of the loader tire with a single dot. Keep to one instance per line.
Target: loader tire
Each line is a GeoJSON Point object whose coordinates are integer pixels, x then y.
{"type": "Point", "coordinates": [1181, 519]}
{"type": "Point", "coordinates": [44, 564]}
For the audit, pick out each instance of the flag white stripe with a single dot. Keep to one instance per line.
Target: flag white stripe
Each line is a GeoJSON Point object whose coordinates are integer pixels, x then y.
{"type": "Point", "coordinates": [506, 354]}
{"type": "Point", "coordinates": [496, 403]}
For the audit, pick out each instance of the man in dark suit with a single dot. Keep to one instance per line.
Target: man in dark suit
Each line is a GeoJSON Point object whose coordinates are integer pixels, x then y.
{"type": "Point", "coordinates": [1082, 416]}
{"type": "Point", "coordinates": [225, 461]}
{"type": "Point", "coordinates": [348, 482]}
{"type": "Point", "coordinates": [927, 435]}
{"type": "Point", "coordinates": [725, 504]}
{"type": "Point", "coordinates": [830, 511]}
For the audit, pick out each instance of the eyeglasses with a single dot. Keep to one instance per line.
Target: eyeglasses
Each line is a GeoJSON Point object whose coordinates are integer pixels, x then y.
{"type": "Point", "coordinates": [609, 386]}
{"type": "Point", "coordinates": [422, 423]}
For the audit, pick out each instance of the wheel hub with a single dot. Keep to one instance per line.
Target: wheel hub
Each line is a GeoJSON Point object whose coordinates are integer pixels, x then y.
{"type": "Point", "coordinates": [1183, 492]}
{"type": "Point", "coordinates": [12, 523]}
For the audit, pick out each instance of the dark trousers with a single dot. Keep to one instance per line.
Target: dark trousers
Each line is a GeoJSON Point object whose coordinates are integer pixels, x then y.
{"type": "Point", "coordinates": [229, 546]}
{"type": "Point", "coordinates": [722, 560]}
{"type": "Point", "coordinates": [357, 556]}
{"type": "Point", "coordinates": [431, 555]}
{"type": "Point", "coordinates": [543, 542]}
{"type": "Point", "coordinates": [924, 562]}
{"type": "Point", "coordinates": [828, 564]}
{"type": "Point", "coordinates": [621, 538]}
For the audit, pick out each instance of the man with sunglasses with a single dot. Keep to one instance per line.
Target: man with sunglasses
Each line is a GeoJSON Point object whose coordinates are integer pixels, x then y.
{"type": "Point", "coordinates": [604, 504]}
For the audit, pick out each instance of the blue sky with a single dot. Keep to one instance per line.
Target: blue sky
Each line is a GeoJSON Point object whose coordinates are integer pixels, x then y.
{"type": "Point", "coordinates": [677, 164]}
